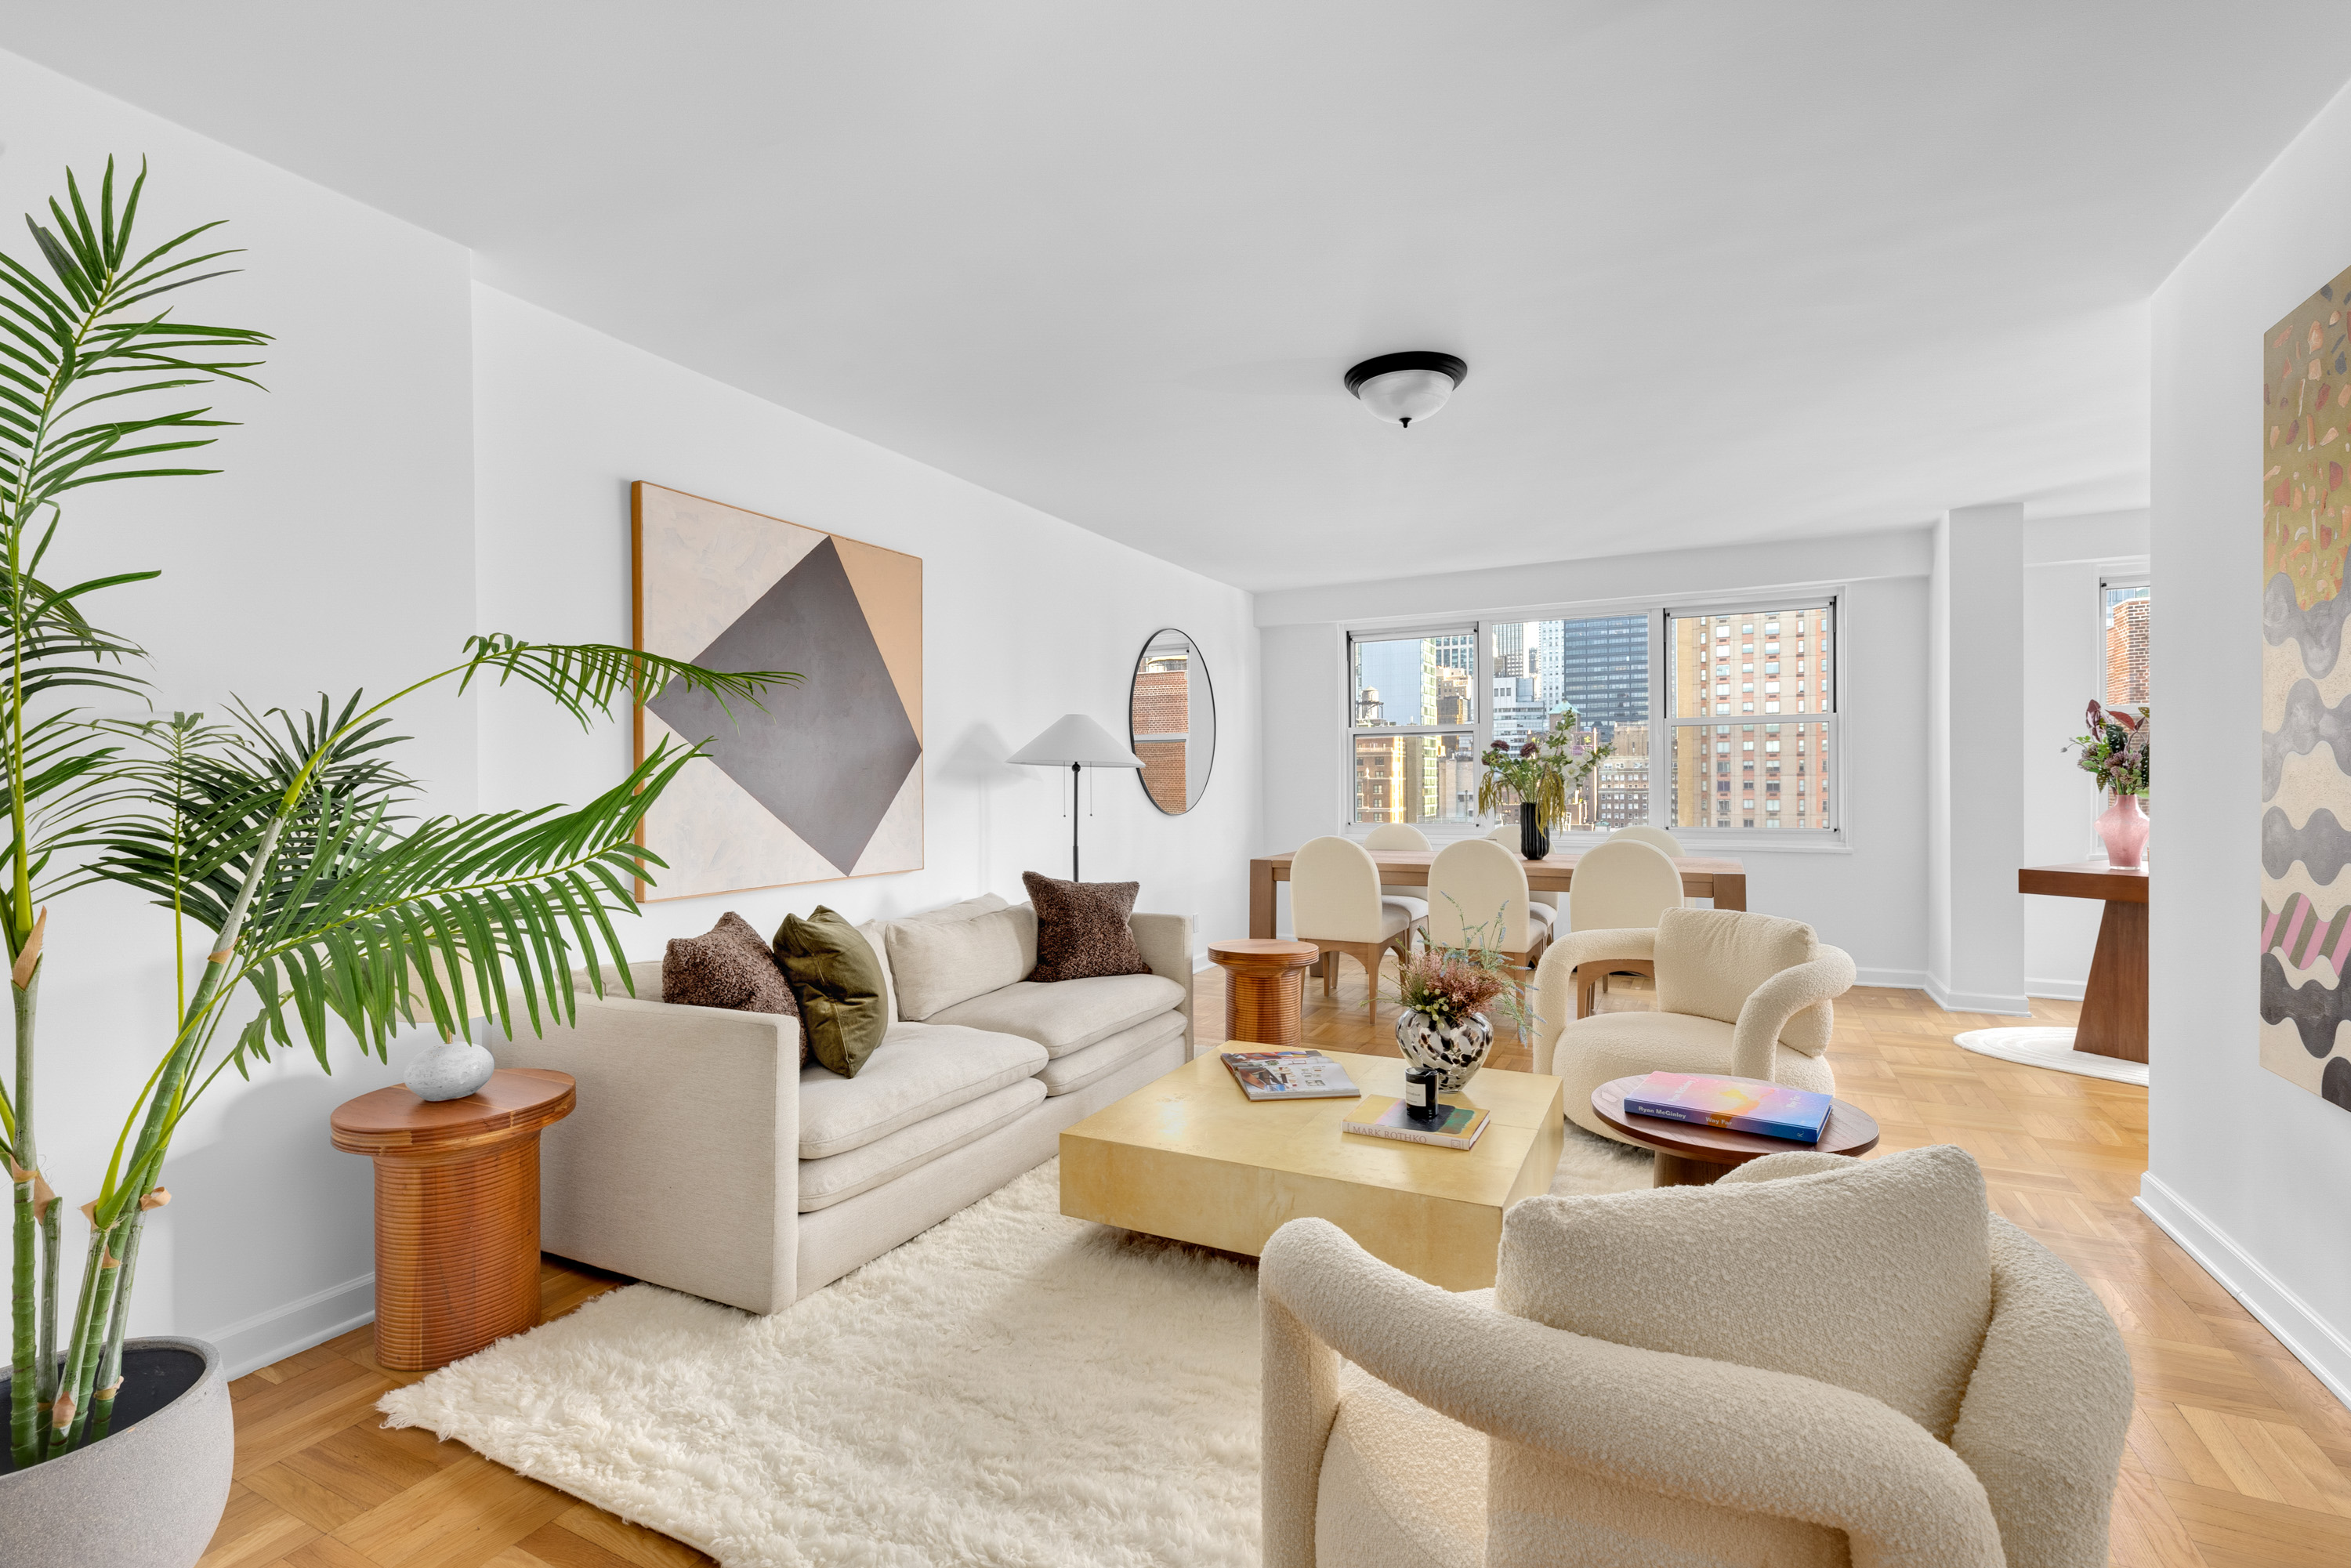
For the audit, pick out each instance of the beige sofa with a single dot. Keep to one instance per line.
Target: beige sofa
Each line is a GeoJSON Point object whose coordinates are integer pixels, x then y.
{"type": "Point", "coordinates": [703, 1158]}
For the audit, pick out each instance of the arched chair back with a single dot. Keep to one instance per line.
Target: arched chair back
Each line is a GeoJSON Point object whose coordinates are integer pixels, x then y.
{"type": "Point", "coordinates": [1472, 883]}
{"type": "Point", "coordinates": [1647, 835]}
{"type": "Point", "coordinates": [1623, 882]}
{"type": "Point", "coordinates": [1396, 836]}
{"type": "Point", "coordinates": [1335, 892]}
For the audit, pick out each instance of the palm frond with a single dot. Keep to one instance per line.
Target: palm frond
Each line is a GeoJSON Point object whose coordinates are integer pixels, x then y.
{"type": "Point", "coordinates": [588, 679]}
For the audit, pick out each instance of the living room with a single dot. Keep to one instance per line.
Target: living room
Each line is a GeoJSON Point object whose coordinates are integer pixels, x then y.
{"type": "Point", "coordinates": [1939, 332]}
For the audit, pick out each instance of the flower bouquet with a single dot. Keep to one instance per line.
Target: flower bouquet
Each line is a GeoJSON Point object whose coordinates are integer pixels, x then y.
{"type": "Point", "coordinates": [2115, 753]}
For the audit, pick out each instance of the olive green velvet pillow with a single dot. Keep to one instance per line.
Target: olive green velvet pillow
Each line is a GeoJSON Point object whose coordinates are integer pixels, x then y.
{"type": "Point", "coordinates": [837, 976]}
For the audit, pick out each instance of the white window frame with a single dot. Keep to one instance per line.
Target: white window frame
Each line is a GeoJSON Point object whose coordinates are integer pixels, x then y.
{"type": "Point", "coordinates": [1656, 609]}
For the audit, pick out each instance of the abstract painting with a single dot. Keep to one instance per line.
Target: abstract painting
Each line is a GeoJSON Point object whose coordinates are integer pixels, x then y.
{"type": "Point", "coordinates": [2306, 695]}
{"type": "Point", "coordinates": [826, 783]}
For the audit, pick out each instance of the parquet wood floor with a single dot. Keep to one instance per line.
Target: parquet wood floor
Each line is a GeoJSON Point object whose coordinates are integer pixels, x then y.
{"type": "Point", "coordinates": [2238, 1457]}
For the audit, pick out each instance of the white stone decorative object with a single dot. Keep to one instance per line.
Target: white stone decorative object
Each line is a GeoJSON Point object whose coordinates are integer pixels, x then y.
{"type": "Point", "coordinates": [450, 1071]}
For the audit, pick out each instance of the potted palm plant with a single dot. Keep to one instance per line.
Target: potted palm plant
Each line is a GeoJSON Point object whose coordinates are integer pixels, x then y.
{"type": "Point", "coordinates": [284, 836]}
{"type": "Point", "coordinates": [1540, 777]}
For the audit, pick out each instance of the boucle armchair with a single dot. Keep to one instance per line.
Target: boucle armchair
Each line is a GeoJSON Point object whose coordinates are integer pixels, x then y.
{"type": "Point", "coordinates": [1744, 995]}
{"type": "Point", "coordinates": [1816, 1361]}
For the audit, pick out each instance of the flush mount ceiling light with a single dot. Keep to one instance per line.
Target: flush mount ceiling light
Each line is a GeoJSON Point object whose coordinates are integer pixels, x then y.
{"type": "Point", "coordinates": [1408, 386]}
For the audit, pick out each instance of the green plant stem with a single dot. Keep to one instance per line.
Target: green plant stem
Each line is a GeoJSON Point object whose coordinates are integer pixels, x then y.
{"type": "Point", "coordinates": [89, 1333]}
{"type": "Point", "coordinates": [110, 1366]}
{"type": "Point", "coordinates": [51, 1240]}
{"type": "Point", "coordinates": [27, 1375]}
{"type": "Point", "coordinates": [75, 1366]}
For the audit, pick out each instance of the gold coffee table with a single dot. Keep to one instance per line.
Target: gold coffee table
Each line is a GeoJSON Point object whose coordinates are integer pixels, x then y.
{"type": "Point", "coordinates": [1189, 1157]}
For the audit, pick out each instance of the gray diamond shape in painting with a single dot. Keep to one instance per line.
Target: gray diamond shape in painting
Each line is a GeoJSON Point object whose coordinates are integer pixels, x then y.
{"type": "Point", "coordinates": [829, 755]}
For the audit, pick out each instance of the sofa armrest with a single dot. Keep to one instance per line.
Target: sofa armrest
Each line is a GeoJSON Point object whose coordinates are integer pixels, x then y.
{"type": "Point", "coordinates": [1166, 943]}
{"type": "Point", "coordinates": [1771, 1005]}
{"type": "Point", "coordinates": [1706, 1431]}
{"type": "Point", "coordinates": [680, 1165]}
{"type": "Point", "coordinates": [1555, 976]}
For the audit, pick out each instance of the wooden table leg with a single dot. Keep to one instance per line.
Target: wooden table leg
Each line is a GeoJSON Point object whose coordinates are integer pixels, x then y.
{"type": "Point", "coordinates": [2114, 1004]}
{"type": "Point", "coordinates": [1260, 898]}
{"type": "Point", "coordinates": [1730, 890]}
{"type": "Point", "coordinates": [1675, 1170]}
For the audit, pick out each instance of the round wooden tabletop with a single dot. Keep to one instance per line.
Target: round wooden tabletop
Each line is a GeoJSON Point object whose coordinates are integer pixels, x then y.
{"type": "Point", "coordinates": [517, 1100]}
{"type": "Point", "coordinates": [1850, 1131]}
{"type": "Point", "coordinates": [1270, 951]}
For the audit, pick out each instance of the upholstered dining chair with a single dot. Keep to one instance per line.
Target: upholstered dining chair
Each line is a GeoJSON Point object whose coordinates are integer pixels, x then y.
{"type": "Point", "coordinates": [1648, 835]}
{"type": "Point", "coordinates": [1620, 884]}
{"type": "Point", "coordinates": [1887, 1374]}
{"type": "Point", "coordinates": [1401, 836]}
{"type": "Point", "coordinates": [1335, 904]}
{"type": "Point", "coordinates": [1476, 883]}
{"type": "Point", "coordinates": [1744, 995]}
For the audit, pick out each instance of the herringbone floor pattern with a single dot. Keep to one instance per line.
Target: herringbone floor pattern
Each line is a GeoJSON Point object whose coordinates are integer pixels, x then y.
{"type": "Point", "coordinates": [2239, 1459]}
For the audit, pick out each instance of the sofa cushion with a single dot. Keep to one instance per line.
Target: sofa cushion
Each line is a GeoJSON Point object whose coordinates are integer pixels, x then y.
{"type": "Point", "coordinates": [969, 909]}
{"type": "Point", "coordinates": [938, 963]}
{"type": "Point", "coordinates": [1709, 961]}
{"type": "Point", "coordinates": [823, 1183]}
{"type": "Point", "coordinates": [1875, 1276]}
{"type": "Point", "coordinates": [1067, 1073]}
{"type": "Point", "coordinates": [1071, 1014]}
{"type": "Point", "coordinates": [877, 937]}
{"type": "Point", "coordinates": [836, 973]}
{"type": "Point", "coordinates": [730, 966]}
{"type": "Point", "coordinates": [1081, 929]}
{"type": "Point", "coordinates": [918, 1071]}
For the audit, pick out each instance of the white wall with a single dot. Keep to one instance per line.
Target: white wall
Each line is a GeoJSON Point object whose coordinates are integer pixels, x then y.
{"type": "Point", "coordinates": [336, 551]}
{"type": "Point", "coordinates": [2065, 666]}
{"type": "Point", "coordinates": [1866, 897]}
{"type": "Point", "coordinates": [1025, 618]}
{"type": "Point", "coordinates": [2247, 1170]}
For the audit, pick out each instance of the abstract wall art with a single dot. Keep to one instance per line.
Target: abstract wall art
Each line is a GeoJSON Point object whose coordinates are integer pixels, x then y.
{"type": "Point", "coordinates": [826, 783]}
{"type": "Point", "coordinates": [2306, 993]}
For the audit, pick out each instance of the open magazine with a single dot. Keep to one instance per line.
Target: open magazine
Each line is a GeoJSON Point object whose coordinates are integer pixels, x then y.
{"type": "Point", "coordinates": [1290, 1075]}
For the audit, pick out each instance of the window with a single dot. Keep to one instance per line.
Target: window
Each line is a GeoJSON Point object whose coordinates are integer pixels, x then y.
{"type": "Point", "coordinates": [1413, 728]}
{"type": "Point", "coordinates": [2125, 647]}
{"type": "Point", "coordinates": [1598, 665]}
{"type": "Point", "coordinates": [1799, 751]}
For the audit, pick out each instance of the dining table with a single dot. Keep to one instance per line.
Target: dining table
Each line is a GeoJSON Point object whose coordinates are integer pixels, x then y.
{"type": "Point", "coordinates": [1703, 876]}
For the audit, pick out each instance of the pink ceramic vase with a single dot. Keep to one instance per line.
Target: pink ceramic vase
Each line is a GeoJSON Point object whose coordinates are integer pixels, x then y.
{"type": "Point", "coordinates": [2124, 827]}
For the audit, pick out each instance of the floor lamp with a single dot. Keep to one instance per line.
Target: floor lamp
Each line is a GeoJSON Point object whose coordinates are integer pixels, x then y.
{"type": "Point", "coordinates": [1075, 742]}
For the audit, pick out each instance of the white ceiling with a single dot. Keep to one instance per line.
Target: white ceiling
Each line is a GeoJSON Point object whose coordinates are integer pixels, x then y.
{"type": "Point", "coordinates": [1722, 271]}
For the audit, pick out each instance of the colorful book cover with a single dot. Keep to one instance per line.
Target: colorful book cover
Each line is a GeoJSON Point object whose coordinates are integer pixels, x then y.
{"type": "Point", "coordinates": [1741, 1104]}
{"type": "Point", "coordinates": [1290, 1075]}
{"type": "Point", "coordinates": [1458, 1128]}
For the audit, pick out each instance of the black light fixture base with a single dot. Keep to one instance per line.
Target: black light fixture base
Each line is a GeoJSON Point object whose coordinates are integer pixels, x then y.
{"type": "Point", "coordinates": [1452, 365]}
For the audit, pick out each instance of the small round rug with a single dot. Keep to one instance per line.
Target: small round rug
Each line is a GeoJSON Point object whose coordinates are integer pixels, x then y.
{"type": "Point", "coordinates": [2053, 1048]}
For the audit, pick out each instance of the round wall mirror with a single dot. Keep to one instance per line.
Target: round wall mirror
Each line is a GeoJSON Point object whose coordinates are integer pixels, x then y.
{"type": "Point", "coordinates": [1171, 721]}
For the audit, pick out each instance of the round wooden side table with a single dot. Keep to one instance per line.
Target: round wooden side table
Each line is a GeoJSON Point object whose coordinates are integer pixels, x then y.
{"type": "Point", "coordinates": [1265, 987]}
{"type": "Point", "coordinates": [456, 1211]}
{"type": "Point", "coordinates": [1689, 1154]}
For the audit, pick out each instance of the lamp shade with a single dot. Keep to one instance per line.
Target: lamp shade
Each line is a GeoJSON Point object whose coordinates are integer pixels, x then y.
{"type": "Point", "coordinates": [1076, 741]}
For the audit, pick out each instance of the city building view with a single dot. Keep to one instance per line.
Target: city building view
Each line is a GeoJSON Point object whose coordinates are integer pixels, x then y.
{"type": "Point", "coordinates": [2126, 643]}
{"type": "Point", "coordinates": [1757, 770]}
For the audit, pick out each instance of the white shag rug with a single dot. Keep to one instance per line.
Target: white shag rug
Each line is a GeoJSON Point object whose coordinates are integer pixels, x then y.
{"type": "Point", "coordinates": [1012, 1387]}
{"type": "Point", "coordinates": [2051, 1048]}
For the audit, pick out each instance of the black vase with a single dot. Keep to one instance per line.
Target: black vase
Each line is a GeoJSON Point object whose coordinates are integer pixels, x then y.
{"type": "Point", "coordinates": [1534, 842]}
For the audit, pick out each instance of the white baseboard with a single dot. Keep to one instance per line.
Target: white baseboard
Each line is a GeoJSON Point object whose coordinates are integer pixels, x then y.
{"type": "Point", "coordinates": [2054, 990]}
{"type": "Point", "coordinates": [1899, 979]}
{"type": "Point", "coordinates": [2313, 1342]}
{"type": "Point", "coordinates": [1952, 1001]}
{"type": "Point", "coordinates": [251, 1344]}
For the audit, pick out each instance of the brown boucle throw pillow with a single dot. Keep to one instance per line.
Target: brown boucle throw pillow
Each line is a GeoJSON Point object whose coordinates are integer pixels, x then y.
{"type": "Point", "coordinates": [729, 966]}
{"type": "Point", "coordinates": [1081, 928]}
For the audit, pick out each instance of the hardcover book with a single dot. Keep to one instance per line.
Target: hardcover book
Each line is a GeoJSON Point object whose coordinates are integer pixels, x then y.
{"type": "Point", "coordinates": [1290, 1075]}
{"type": "Point", "coordinates": [1741, 1104]}
{"type": "Point", "coordinates": [1457, 1126]}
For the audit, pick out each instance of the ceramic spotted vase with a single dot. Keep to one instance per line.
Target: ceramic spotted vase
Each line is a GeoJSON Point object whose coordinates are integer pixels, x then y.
{"type": "Point", "coordinates": [1453, 1051]}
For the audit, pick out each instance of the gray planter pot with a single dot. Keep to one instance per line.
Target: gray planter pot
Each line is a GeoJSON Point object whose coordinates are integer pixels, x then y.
{"type": "Point", "coordinates": [152, 1493]}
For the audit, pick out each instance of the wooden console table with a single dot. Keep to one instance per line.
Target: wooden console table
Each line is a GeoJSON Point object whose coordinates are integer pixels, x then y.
{"type": "Point", "coordinates": [456, 1211]}
{"type": "Point", "coordinates": [2114, 1004]}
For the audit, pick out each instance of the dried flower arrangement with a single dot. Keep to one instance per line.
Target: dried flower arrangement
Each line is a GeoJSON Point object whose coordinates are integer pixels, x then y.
{"type": "Point", "coordinates": [1449, 984]}
{"type": "Point", "coordinates": [2115, 752]}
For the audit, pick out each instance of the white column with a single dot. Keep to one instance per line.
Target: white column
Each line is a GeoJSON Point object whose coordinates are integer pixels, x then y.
{"type": "Point", "coordinates": [1975, 798]}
